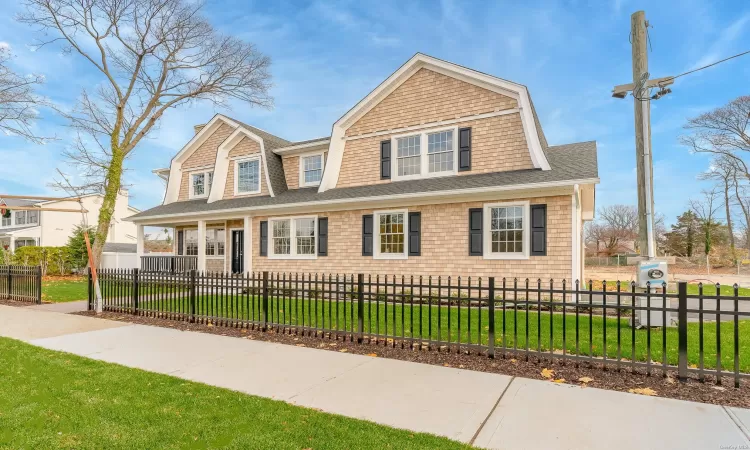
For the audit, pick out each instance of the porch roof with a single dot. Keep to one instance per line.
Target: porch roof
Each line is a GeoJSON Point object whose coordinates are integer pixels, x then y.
{"type": "Point", "coordinates": [12, 230]}
{"type": "Point", "coordinates": [569, 162]}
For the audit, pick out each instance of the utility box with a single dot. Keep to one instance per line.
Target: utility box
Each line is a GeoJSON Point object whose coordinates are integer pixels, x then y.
{"type": "Point", "coordinates": [655, 272]}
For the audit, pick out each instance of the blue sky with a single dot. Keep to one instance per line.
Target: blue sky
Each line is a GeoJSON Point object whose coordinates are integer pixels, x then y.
{"type": "Point", "coordinates": [328, 55]}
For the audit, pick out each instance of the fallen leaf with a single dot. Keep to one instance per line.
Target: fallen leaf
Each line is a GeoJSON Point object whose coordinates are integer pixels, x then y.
{"type": "Point", "coordinates": [374, 355]}
{"type": "Point", "coordinates": [719, 388]}
{"type": "Point", "coordinates": [585, 380]}
{"type": "Point", "coordinates": [343, 350]}
{"type": "Point", "coordinates": [513, 361]}
{"type": "Point", "coordinates": [300, 345]}
{"type": "Point", "coordinates": [547, 373]}
{"type": "Point", "coordinates": [559, 380]}
{"type": "Point", "coordinates": [209, 324]}
{"type": "Point", "coordinates": [643, 391]}
{"type": "Point", "coordinates": [446, 365]}
{"type": "Point", "coordinates": [333, 344]}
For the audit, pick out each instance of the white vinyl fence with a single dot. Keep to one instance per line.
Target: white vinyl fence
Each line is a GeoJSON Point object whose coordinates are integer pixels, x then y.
{"type": "Point", "coordinates": [119, 261]}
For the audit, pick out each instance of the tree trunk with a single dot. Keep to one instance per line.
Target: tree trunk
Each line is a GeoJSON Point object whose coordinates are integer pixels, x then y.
{"type": "Point", "coordinates": [729, 222]}
{"type": "Point", "coordinates": [112, 185]}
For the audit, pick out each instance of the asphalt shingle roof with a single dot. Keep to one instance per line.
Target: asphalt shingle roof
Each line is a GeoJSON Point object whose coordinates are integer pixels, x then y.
{"type": "Point", "coordinates": [568, 162]}
{"type": "Point", "coordinates": [275, 166]}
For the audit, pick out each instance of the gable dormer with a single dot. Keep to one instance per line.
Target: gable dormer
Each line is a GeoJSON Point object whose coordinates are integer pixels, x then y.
{"type": "Point", "coordinates": [432, 118]}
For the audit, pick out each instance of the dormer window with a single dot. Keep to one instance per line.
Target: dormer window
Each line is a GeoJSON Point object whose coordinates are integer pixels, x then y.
{"type": "Point", "coordinates": [310, 169]}
{"type": "Point", "coordinates": [423, 155]}
{"type": "Point", "coordinates": [247, 175]}
{"type": "Point", "coordinates": [200, 183]}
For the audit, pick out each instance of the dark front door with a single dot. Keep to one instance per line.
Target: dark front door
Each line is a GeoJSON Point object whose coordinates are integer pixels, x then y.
{"type": "Point", "coordinates": [238, 251]}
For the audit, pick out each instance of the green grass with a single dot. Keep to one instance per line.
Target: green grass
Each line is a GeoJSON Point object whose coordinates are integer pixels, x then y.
{"type": "Point", "coordinates": [65, 290]}
{"type": "Point", "coordinates": [56, 400]}
{"type": "Point", "coordinates": [710, 290]}
{"type": "Point", "coordinates": [474, 327]}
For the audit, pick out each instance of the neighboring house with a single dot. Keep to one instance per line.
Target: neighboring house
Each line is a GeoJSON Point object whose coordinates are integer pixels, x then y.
{"type": "Point", "coordinates": [441, 170]}
{"type": "Point", "coordinates": [53, 228]}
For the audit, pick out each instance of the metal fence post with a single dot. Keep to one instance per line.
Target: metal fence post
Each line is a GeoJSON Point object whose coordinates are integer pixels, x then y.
{"type": "Point", "coordinates": [136, 289]}
{"type": "Point", "coordinates": [265, 300]}
{"type": "Point", "coordinates": [682, 333]}
{"type": "Point", "coordinates": [192, 295]}
{"type": "Point", "coordinates": [491, 319]}
{"type": "Point", "coordinates": [10, 281]}
{"type": "Point", "coordinates": [38, 284]}
{"type": "Point", "coordinates": [91, 290]}
{"type": "Point", "coordinates": [360, 307]}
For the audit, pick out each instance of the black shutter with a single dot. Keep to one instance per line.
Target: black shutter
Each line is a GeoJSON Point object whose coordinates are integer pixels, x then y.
{"type": "Point", "coordinates": [415, 231]}
{"type": "Point", "coordinates": [367, 234]}
{"type": "Point", "coordinates": [264, 238]}
{"type": "Point", "coordinates": [464, 149]}
{"type": "Point", "coordinates": [539, 230]}
{"type": "Point", "coordinates": [322, 236]}
{"type": "Point", "coordinates": [180, 242]}
{"type": "Point", "coordinates": [475, 232]}
{"type": "Point", "coordinates": [385, 160]}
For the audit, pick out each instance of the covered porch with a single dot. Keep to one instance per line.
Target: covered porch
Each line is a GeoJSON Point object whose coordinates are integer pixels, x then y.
{"type": "Point", "coordinates": [210, 245]}
{"type": "Point", "coordinates": [12, 239]}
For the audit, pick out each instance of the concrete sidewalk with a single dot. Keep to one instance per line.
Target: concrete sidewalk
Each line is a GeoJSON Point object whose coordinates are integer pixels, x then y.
{"type": "Point", "coordinates": [489, 410]}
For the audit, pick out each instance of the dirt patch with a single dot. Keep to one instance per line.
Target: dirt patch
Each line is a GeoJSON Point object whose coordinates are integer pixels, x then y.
{"type": "Point", "coordinates": [585, 374]}
{"type": "Point", "coordinates": [7, 302]}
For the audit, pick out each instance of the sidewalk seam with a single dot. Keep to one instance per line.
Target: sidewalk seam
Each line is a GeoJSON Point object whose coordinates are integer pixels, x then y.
{"type": "Point", "coordinates": [736, 422]}
{"type": "Point", "coordinates": [327, 379]}
{"type": "Point", "coordinates": [484, 422]}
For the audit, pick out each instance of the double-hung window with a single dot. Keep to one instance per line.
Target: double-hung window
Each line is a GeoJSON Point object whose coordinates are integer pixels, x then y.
{"type": "Point", "coordinates": [32, 217]}
{"type": "Point", "coordinates": [215, 242]}
{"type": "Point", "coordinates": [507, 230]}
{"type": "Point", "coordinates": [191, 242]}
{"type": "Point", "coordinates": [7, 221]}
{"type": "Point", "coordinates": [424, 155]}
{"type": "Point", "coordinates": [293, 238]}
{"type": "Point", "coordinates": [20, 217]}
{"type": "Point", "coordinates": [247, 176]}
{"type": "Point", "coordinates": [390, 239]}
{"type": "Point", "coordinates": [310, 170]}
{"type": "Point", "coordinates": [200, 183]}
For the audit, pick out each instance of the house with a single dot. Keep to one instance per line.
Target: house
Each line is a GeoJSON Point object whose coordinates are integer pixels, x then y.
{"type": "Point", "coordinates": [440, 170]}
{"type": "Point", "coordinates": [53, 228]}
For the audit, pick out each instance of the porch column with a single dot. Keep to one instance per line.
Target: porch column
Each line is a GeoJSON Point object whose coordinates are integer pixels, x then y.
{"type": "Point", "coordinates": [12, 243]}
{"type": "Point", "coordinates": [201, 245]}
{"type": "Point", "coordinates": [140, 242]}
{"type": "Point", "coordinates": [248, 241]}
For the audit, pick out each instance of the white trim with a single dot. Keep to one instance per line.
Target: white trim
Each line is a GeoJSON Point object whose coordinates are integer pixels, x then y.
{"type": "Point", "coordinates": [423, 155]}
{"type": "Point", "coordinates": [292, 237]}
{"type": "Point", "coordinates": [301, 148]}
{"type": "Point", "coordinates": [215, 257]}
{"type": "Point", "coordinates": [237, 163]}
{"type": "Point", "coordinates": [302, 170]}
{"type": "Point", "coordinates": [547, 188]}
{"type": "Point", "coordinates": [487, 231]}
{"type": "Point", "coordinates": [376, 254]}
{"type": "Point", "coordinates": [206, 187]}
{"type": "Point", "coordinates": [503, 112]}
{"type": "Point", "coordinates": [230, 240]}
{"type": "Point", "coordinates": [575, 234]}
{"type": "Point", "coordinates": [248, 237]}
{"type": "Point", "coordinates": [222, 162]}
{"type": "Point", "coordinates": [418, 61]}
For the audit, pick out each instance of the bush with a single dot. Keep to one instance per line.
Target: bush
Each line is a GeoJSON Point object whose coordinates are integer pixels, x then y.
{"type": "Point", "coordinates": [53, 260]}
{"type": "Point", "coordinates": [76, 247]}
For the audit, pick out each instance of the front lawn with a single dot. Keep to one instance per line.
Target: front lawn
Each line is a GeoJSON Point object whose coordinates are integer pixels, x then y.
{"type": "Point", "coordinates": [64, 289]}
{"type": "Point", "coordinates": [56, 400]}
{"type": "Point", "coordinates": [470, 325]}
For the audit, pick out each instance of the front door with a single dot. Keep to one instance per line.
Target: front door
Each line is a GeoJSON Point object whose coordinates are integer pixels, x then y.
{"type": "Point", "coordinates": [238, 251]}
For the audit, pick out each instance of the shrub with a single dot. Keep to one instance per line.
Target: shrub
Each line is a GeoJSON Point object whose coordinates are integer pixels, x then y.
{"type": "Point", "coordinates": [53, 260]}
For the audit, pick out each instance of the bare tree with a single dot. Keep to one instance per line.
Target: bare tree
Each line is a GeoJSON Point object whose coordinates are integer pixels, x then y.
{"type": "Point", "coordinates": [724, 171]}
{"type": "Point", "coordinates": [153, 55]}
{"type": "Point", "coordinates": [18, 102]}
{"type": "Point", "coordinates": [706, 210]}
{"type": "Point", "coordinates": [723, 132]}
{"type": "Point", "coordinates": [614, 224]}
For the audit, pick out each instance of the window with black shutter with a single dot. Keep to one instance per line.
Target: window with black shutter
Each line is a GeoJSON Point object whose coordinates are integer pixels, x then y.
{"type": "Point", "coordinates": [475, 231]}
{"type": "Point", "coordinates": [367, 234]}
{"type": "Point", "coordinates": [415, 231]}
{"type": "Point", "coordinates": [464, 149]}
{"type": "Point", "coordinates": [538, 230]}
{"type": "Point", "coordinates": [264, 238]}
{"type": "Point", "coordinates": [385, 160]}
{"type": "Point", "coordinates": [322, 236]}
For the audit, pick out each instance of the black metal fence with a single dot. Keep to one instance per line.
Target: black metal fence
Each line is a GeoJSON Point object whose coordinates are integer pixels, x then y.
{"type": "Point", "coordinates": [703, 331]}
{"type": "Point", "coordinates": [21, 283]}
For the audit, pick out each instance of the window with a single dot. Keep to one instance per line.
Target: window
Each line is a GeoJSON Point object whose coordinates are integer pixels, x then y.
{"type": "Point", "coordinates": [191, 242]}
{"type": "Point", "coordinates": [247, 176]}
{"type": "Point", "coordinates": [32, 217]}
{"type": "Point", "coordinates": [293, 238]}
{"type": "Point", "coordinates": [20, 217]}
{"type": "Point", "coordinates": [7, 221]}
{"type": "Point", "coordinates": [200, 184]}
{"type": "Point", "coordinates": [507, 232]}
{"type": "Point", "coordinates": [426, 154]}
{"type": "Point", "coordinates": [311, 170]}
{"type": "Point", "coordinates": [390, 241]}
{"type": "Point", "coordinates": [215, 242]}
{"type": "Point", "coordinates": [25, 243]}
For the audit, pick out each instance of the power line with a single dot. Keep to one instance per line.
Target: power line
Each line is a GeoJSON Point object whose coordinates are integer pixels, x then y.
{"type": "Point", "coordinates": [710, 65]}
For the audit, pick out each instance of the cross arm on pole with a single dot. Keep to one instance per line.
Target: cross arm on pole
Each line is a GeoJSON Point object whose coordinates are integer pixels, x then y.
{"type": "Point", "coordinates": [621, 91]}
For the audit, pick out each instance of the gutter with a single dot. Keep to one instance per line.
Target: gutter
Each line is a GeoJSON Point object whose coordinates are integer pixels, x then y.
{"type": "Point", "coordinates": [366, 200]}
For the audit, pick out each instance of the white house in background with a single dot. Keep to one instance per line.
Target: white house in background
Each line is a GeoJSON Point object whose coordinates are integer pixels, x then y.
{"type": "Point", "coordinates": [53, 228]}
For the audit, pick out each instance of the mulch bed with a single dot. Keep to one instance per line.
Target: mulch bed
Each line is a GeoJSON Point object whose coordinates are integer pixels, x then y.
{"type": "Point", "coordinates": [563, 372]}
{"type": "Point", "coordinates": [7, 302]}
